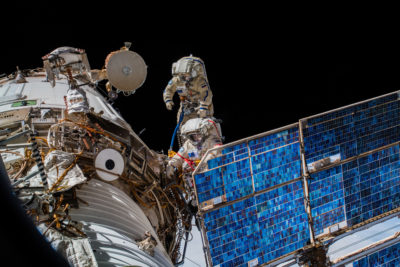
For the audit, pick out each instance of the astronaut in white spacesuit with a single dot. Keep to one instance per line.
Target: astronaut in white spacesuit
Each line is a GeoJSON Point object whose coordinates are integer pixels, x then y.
{"type": "Point", "coordinates": [190, 82]}
{"type": "Point", "coordinates": [200, 134]}
{"type": "Point", "coordinates": [73, 63]}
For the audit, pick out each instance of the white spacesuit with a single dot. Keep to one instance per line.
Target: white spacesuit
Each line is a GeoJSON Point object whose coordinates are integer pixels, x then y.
{"type": "Point", "coordinates": [73, 63]}
{"type": "Point", "coordinates": [200, 134]}
{"type": "Point", "coordinates": [76, 101]}
{"type": "Point", "coordinates": [190, 82]}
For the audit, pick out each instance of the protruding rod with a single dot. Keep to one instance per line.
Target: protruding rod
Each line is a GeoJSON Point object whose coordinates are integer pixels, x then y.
{"type": "Point", "coordinates": [26, 178]}
{"type": "Point", "coordinates": [38, 159]}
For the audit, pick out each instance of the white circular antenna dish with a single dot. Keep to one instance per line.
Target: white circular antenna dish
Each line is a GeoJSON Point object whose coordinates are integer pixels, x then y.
{"type": "Point", "coordinates": [126, 70]}
{"type": "Point", "coordinates": [109, 164]}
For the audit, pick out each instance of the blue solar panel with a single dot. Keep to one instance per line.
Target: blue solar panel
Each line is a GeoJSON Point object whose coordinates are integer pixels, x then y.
{"type": "Point", "coordinates": [327, 199]}
{"type": "Point", "coordinates": [230, 154]}
{"type": "Point", "coordinates": [353, 130]}
{"type": "Point", "coordinates": [276, 166]}
{"type": "Point", "coordinates": [372, 185]}
{"type": "Point", "coordinates": [273, 159]}
{"type": "Point", "coordinates": [389, 256]}
{"type": "Point", "coordinates": [264, 215]}
{"type": "Point", "coordinates": [356, 191]}
{"type": "Point", "coordinates": [260, 228]}
{"type": "Point", "coordinates": [274, 141]}
{"type": "Point", "coordinates": [346, 111]}
{"type": "Point", "coordinates": [255, 146]}
{"type": "Point", "coordinates": [283, 220]}
{"type": "Point", "coordinates": [232, 181]}
{"type": "Point", "coordinates": [252, 199]}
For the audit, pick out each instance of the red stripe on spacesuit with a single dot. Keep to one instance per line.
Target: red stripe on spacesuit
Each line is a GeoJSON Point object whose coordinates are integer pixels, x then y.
{"type": "Point", "coordinates": [215, 128]}
{"type": "Point", "coordinates": [188, 161]}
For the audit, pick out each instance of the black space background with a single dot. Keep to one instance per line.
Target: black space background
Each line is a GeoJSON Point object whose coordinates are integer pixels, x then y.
{"type": "Point", "coordinates": [265, 72]}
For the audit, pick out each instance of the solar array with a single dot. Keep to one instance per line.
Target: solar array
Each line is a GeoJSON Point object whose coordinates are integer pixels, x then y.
{"type": "Point", "coordinates": [259, 185]}
{"type": "Point", "coordinates": [365, 185]}
{"type": "Point", "coordinates": [250, 167]}
{"type": "Point", "coordinates": [387, 256]}
{"type": "Point", "coordinates": [356, 191]}
{"type": "Point", "coordinates": [252, 196]}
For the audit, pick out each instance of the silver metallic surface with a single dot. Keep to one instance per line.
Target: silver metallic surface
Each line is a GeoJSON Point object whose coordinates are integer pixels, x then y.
{"type": "Point", "coordinates": [113, 221]}
{"type": "Point", "coordinates": [126, 70]}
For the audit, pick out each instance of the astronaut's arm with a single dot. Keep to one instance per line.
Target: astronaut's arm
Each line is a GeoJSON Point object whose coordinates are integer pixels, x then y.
{"type": "Point", "coordinates": [205, 95]}
{"type": "Point", "coordinates": [178, 159]}
{"type": "Point", "coordinates": [176, 162]}
{"type": "Point", "coordinates": [169, 91]}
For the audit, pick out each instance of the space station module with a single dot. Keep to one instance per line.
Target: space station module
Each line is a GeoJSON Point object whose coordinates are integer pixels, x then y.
{"type": "Point", "coordinates": [199, 134]}
{"type": "Point", "coordinates": [190, 82]}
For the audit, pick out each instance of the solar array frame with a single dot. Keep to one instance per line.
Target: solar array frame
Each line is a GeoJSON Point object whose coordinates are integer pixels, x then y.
{"type": "Point", "coordinates": [362, 180]}
{"type": "Point", "coordinates": [351, 155]}
{"type": "Point", "coordinates": [273, 213]}
{"type": "Point", "coordinates": [350, 130]}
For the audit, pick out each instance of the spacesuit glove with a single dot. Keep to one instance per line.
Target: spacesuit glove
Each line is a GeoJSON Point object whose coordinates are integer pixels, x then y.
{"type": "Point", "coordinates": [170, 171]}
{"type": "Point", "coordinates": [202, 112]}
{"type": "Point", "coordinates": [169, 105]}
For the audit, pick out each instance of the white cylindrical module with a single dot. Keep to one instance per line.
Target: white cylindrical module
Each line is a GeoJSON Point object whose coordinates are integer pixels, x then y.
{"type": "Point", "coordinates": [113, 223]}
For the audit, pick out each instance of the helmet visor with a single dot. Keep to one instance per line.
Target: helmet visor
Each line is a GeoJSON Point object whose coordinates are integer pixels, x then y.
{"type": "Point", "coordinates": [195, 138]}
{"type": "Point", "coordinates": [184, 77]}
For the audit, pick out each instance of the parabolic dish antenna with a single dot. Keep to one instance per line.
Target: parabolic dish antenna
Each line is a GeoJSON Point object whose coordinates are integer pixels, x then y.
{"type": "Point", "coordinates": [126, 70]}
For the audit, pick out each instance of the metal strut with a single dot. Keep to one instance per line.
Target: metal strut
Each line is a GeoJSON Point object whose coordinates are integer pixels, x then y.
{"type": "Point", "coordinates": [306, 177]}
{"type": "Point", "coordinates": [38, 159]}
{"type": "Point", "coordinates": [35, 154]}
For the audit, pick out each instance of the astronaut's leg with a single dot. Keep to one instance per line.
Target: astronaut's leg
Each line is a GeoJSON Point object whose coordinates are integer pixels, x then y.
{"type": "Point", "coordinates": [178, 118]}
{"type": "Point", "coordinates": [179, 115]}
{"type": "Point", "coordinates": [210, 112]}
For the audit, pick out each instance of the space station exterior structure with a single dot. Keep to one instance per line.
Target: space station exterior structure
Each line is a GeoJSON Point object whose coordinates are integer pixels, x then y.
{"type": "Point", "coordinates": [93, 188]}
{"type": "Point", "coordinates": [324, 191]}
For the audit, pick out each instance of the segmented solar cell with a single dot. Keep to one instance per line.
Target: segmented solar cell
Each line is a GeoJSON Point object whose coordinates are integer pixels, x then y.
{"type": "Point", "coordinates": [343, 112]}
{"type": "Point", "coordinates": [274, 159]}
{"type": "Point", "coordinates": [250, 230]}
{"type": "Point", "coordinates": [389, 256]}
{"type": "Point", "coordinates": [372, 185]}
{"type": "Point", "coordinates": [356, 191]}
{"type": "Point", "coordinates": [327, 199]}
{"type": "Point", "coordinates": [276, 166]}
{"type": "Point", "coordinates": [273, 141]}
{"type": "Point", "coordinates": [260, 228]}
{"type": "Point", "coordinates": [230, 154]}
{"type": "Point", "coordinates": [353, 130]}
{"type": "Point", "coordinates": [353, 157]}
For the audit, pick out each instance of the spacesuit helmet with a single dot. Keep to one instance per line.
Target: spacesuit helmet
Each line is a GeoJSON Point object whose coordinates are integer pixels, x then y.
{"type": "Point", "coordinates": [188, 68]}
{"type": "Point", "coordinates": [195, 138]}
{"type": "Point", "coordinates": [195, 130]}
